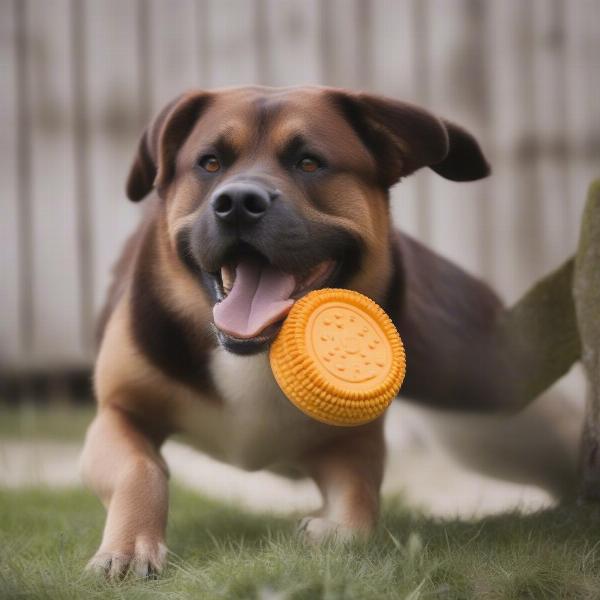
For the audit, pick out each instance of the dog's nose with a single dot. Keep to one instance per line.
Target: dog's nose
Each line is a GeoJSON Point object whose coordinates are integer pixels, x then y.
{"type": "Point", "coordinates": [240, 203]}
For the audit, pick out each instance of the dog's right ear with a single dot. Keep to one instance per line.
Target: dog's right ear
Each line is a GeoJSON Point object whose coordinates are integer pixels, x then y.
{"type": "Point", "coordinates": [154, 163]}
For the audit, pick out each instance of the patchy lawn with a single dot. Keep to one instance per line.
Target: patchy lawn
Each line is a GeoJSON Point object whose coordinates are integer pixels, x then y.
{"type": "Point", "coordinates": [221, 552]}
{"type": "Point", "coordinates": [218, 551]}
{"type": "Point", "coordinates": [57, 422]}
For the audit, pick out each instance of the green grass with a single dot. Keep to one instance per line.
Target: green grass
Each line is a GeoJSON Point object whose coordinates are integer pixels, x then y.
{"type": "Point", "coordinates": [60, 421]}
{"type": "Point", "coordinates": [221, 552]}
{"type": "Point", "coordinates": [218, 551]}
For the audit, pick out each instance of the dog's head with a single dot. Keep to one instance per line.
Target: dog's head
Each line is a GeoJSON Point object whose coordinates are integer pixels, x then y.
{"type": "Point", "coordinates": [271, 193]}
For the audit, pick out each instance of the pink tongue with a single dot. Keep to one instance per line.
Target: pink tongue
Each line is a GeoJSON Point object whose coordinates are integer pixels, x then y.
{"type": "Point", "coordinates": [260, 296]}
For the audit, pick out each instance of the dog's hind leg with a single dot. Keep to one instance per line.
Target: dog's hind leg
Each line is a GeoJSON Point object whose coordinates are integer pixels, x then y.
{"type": "Point", "coordinates": [348, 472]}
{"type": "Point", "coordinates": [124, 468]}
{"type": "Point", "coordinates": [464, 349]}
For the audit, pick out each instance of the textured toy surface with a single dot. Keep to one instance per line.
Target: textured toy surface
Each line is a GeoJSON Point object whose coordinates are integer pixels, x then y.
{"type": "Point", "coordinates": [338, 357]}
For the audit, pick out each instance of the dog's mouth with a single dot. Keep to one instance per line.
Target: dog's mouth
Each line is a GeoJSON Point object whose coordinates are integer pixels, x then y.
{"type": "Point", "coordinates": [254, 296]}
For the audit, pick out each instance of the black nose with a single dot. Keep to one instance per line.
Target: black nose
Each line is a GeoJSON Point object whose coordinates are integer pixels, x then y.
{"type": "Point", "coordinates": [240, 203]}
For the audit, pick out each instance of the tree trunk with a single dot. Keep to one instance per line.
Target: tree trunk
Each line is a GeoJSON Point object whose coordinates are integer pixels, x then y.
{"type": "Point", "coordinates": [586, 292]}
{"type": "Point", "coordinates": [555, 324]}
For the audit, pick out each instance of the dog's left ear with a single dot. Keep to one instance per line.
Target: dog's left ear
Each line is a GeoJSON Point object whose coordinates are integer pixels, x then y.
{"type": "Point", "coordinates": [154, 162]}
{"type": "Point", "coordinates": [404, 138]}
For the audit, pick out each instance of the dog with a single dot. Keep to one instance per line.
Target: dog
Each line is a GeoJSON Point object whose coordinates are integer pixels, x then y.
{"type": "Point", "coordinates": [260, 195]}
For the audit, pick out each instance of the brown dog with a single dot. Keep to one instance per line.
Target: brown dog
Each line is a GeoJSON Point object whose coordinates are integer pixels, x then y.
{"type": "Point", "coordinates": [262, 195]}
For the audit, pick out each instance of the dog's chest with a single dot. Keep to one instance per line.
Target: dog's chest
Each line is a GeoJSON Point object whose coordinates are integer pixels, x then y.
{"type": "Point", "coordinates": [254, 425]}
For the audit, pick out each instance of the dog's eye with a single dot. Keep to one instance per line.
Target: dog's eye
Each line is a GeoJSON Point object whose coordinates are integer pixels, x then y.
{"type": "Point", "coordinates": [210, 163]}
{"type": "Point", "coordinates": [308, 164]}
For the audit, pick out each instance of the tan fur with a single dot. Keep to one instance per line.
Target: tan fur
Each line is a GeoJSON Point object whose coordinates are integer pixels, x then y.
{"type": "Point", "coordinates": [239, 415]}
{"type": "Point", "coordinates": [253, 428]}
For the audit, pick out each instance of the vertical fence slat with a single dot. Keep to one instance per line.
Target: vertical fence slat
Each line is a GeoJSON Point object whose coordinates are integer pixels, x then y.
{"type": "Point", "coordinates": [293, 42]}
{"type": "Point", "coordinates": [341, 51]}
{"type": "Point", "coordinates": [480, 94]}
{"type": "Point", "coordinates": [23, 153]}
{"type": "Point", "coordinates": [420, 24]}
{"type": "Point", "coordinates": [516, 240]}
{"type": "Point", "coordinates": [394, 75]}
{"type": "Point", "coordinates": [144, 48]}
{"type": "Point", "coordinates": [56, 292]}
{"type": "Point", "coordinates": [549, 144]}
{"type": "Point", "coordinates": [394, 57]}
{"type": "Point", "coordinates": [232, 30]}
{"type": "Point", "coordinates": [115, 124]}
{"type": "Point", "coordinates": [457, 92]}
{"type": "Point", "coordinates": [10, 301]}
{"type": "Point", "coordinates": [174, 60]}
{"type": "Point", "coordinates": [81, 179]}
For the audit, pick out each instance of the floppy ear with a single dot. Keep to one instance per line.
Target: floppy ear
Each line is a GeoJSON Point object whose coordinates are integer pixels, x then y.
{"type": "Point", "coordinates": [154, 163]}
{"type": "Point", "coordinates": [404, 138]}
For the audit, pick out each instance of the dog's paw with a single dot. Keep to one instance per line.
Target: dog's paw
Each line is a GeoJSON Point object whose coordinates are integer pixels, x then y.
{"type": "Point", "coordinates": [318, 529]}
{"type": "Point", "coordinates": [143, 559]}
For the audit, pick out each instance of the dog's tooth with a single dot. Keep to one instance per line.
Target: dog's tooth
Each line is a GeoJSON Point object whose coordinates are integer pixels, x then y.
{"type": "Point", "coordinates": [317, 272]}
{"type": "Point", "coordinates": [227, 277]}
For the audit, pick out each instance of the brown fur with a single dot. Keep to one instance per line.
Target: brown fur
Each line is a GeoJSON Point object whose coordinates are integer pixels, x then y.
{"type": "Point", "coordinates": [155, 373]}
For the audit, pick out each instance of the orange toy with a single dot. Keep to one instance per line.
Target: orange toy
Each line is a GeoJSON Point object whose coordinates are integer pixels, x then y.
{"type": "Point", "coordinates": [338, 357]}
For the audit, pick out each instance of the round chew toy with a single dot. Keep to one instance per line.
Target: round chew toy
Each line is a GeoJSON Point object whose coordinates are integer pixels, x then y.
{"type": "Point", "coordinates": [338, 357]}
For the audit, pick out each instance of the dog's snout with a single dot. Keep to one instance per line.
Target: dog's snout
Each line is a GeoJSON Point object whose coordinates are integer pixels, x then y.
{"type": "Point", "coordinates": [240, 203]}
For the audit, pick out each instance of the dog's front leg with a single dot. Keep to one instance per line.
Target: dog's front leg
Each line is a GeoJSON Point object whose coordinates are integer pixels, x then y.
{"type": "Point", "coordinates": [348, 473]}
{"type": "Point", "coordinates": [124, 468]}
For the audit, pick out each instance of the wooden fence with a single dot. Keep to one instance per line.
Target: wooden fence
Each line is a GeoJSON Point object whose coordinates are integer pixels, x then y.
{"type": "Point", "coordinates": [79, 78]}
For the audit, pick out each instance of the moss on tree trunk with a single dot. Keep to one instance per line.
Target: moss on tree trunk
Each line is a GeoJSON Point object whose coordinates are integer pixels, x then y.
{"type": "Point", "coordinates": [539, 335]}
{"type": "Point", "coordinates": [586, 292]}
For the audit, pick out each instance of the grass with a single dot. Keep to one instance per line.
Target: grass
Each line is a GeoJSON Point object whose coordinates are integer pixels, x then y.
{"type": "Point", "coordinates": [221, 552]}
{"type": "Point", "coordinates": [60, 421]}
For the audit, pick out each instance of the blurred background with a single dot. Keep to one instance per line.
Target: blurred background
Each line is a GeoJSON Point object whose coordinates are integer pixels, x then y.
{"type": "Point", "coordinates": [80, 78]}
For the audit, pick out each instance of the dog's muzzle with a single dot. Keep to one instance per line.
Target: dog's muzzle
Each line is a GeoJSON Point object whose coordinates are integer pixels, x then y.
{"type": "Point", "coordinates": [257, 254]}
